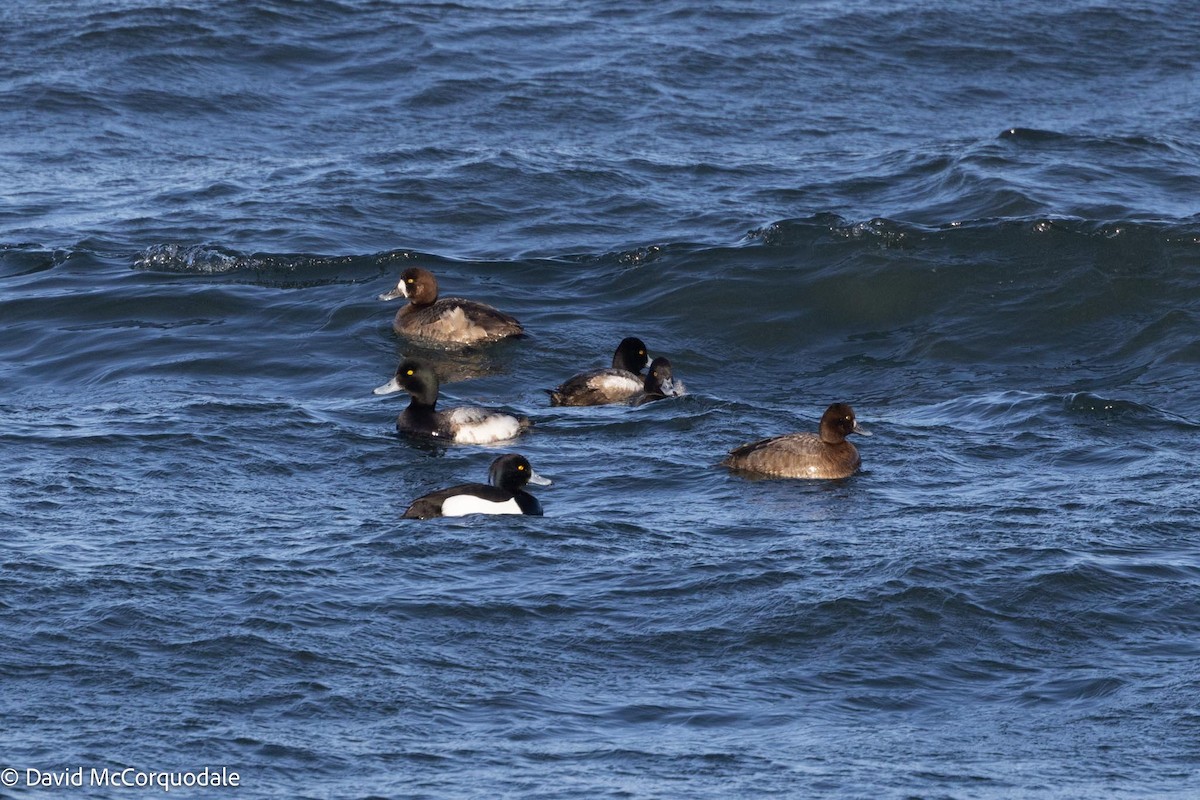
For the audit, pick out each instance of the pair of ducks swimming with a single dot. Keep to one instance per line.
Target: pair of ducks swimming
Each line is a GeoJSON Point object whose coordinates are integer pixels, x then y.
{"type": "Point", "coordinates": [452, 320]}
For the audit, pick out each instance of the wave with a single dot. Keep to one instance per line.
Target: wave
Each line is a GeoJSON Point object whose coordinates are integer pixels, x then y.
{"type": "Point", "coordinates": [992, 322]}
{"type": "Point", "coordinates": [796, 233]}
{"type": "Point", "coordinates": [1015, 411]}
{"type": "Point", "coordinates": [272, 269]}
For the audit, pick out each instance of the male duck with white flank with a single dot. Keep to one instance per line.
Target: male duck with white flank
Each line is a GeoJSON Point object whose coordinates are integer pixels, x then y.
{"type": "Point", "coordinates": [622, 383]}
{"type": "Point", "coordinates": [506, 493]}
{"type": "Point", "coordinates": [464, 425]}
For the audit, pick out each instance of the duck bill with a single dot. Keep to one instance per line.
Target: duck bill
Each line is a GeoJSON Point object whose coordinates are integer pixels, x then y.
{"type": "Point", "coordinates": [668, 388]}
{"type": "Point", "coordinates": [388, 388]}
{"type": "Point", "coordinates": [860, 430]}
{"type": "Point", "coordinates": [394, 294]}
{"type": "Point", "coordinates": [538, 480]}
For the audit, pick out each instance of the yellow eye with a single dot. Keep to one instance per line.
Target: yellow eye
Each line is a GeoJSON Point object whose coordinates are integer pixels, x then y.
{"type": "Point", "coordinates": [408, 280]}
{"type": "Point", "coordinates": [521, 467]}
{"type": "Point", "coordinates": [410, 372]}
{"type": "Point", "coordinates": [641, 352]}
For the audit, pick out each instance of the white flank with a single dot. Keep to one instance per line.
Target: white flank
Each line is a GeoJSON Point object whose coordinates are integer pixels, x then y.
{"type": "Point", "coordinates": [457, 327]}
{"type": "Point", "coordinates": [616, 383]}
{"type": "Point", "coordinates": [480, 426]}
{"type": "Point", "coordinates": [463, 504]}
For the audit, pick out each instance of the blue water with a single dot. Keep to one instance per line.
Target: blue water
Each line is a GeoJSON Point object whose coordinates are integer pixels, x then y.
{"type": "Point", "coordinates": [977, 223]}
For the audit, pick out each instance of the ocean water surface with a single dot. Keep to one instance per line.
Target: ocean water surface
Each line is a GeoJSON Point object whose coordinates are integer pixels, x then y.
{"type": "Point", "coordinates": [976, 223]}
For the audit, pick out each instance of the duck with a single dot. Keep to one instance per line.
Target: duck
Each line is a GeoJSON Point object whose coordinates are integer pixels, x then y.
{"type": "Point", "coordinates": [448, 320]}
{"type": "Point", "coordinates": [504, 493]}
{"type": "Point", "coordinates": [622, 383]}
{"type": "Point", "coordinates": [464, 425]}
{"type": "Point", "coordinates": [826, 454]}
{"type": "Point", "coordinates": [660, 383]}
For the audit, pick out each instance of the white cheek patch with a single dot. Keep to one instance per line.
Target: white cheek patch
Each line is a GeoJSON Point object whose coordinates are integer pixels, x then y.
{"type": "Point", "coordinates": [463, 504]}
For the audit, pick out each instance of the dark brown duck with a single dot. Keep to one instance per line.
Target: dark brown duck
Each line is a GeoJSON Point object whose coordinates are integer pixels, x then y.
{"type": "Point", "coordinates": [451, 320]}
{"type": "Point", "coordinates": [826, 454]}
